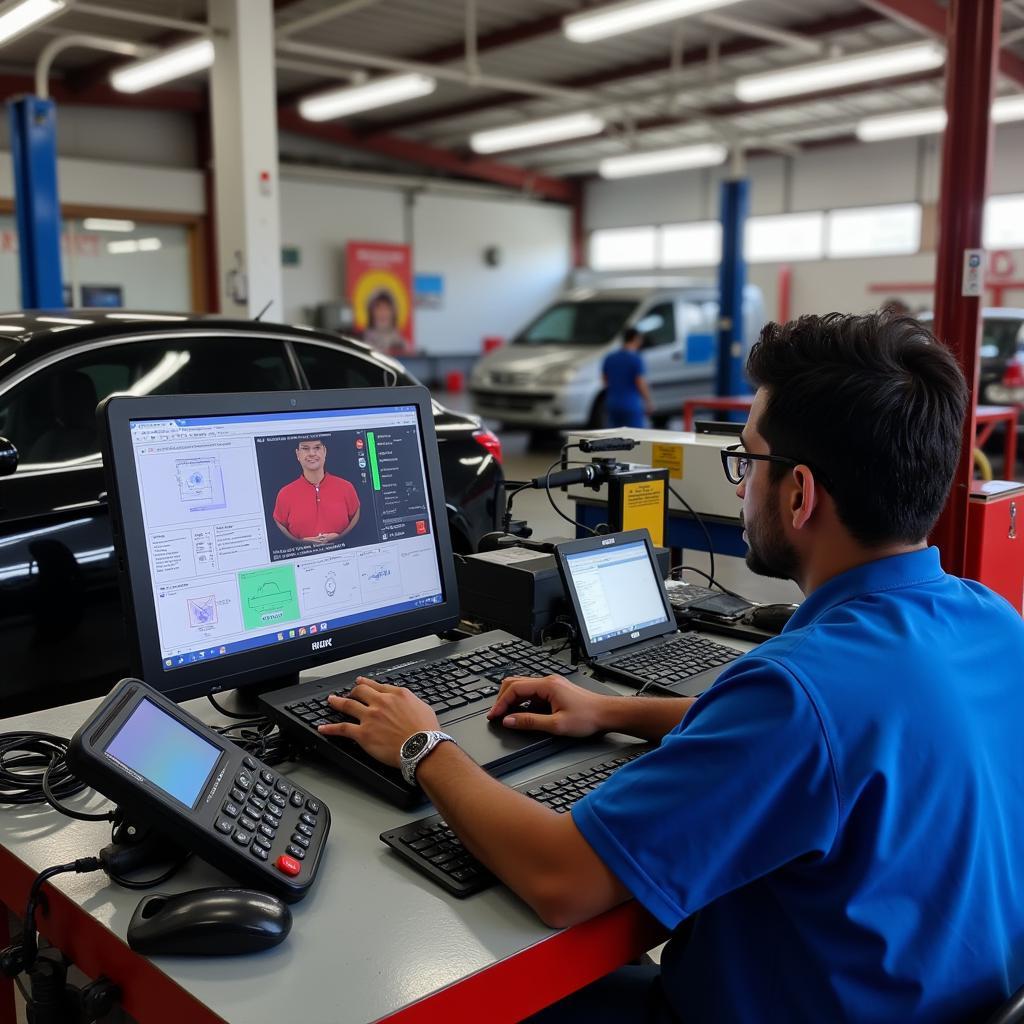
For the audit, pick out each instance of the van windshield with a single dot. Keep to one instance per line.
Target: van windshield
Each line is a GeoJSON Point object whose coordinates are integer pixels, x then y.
{"type": "Point", "coordinates": [1001, 338]}
{"type": "Point", "coordinates": [592, 322]}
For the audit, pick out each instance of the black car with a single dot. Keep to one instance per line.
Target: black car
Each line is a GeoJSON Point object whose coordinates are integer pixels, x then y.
{"type": "Point", "coordinates": [62, 634]}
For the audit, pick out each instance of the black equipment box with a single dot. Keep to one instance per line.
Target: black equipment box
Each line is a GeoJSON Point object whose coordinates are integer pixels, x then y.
{"type": "Point", "coordinates": [518, 589]}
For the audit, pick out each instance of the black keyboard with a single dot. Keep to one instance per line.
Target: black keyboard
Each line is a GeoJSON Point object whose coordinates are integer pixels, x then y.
{"type": "Point", "coordinates": [448, 683]}
{"type": "Point", "coordinates": [434, 849]}
{"type": "Point", "coordinates": [681, 657]}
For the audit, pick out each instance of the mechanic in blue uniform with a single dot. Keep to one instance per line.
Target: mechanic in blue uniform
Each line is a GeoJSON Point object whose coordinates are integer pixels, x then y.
{"type": "Point", "coordinates": [834, 830]}
{"type": "Point", "coordinates": [627, 397]}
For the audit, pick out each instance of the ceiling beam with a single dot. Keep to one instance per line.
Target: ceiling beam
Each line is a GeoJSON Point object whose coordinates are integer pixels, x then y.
{"type": "Point", "coordinates": [433, 157]}
{"type": "Point", "coordinates": [696, 55]}
{"type": "Point", "coordinates": [736, 108]}
{"type": "Point", "coordinates": [927, 16]}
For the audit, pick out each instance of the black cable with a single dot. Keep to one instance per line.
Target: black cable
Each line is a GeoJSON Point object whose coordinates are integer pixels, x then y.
{"type": "Point", "coordinates": [33, 770]}
{"type": "Point", "coordinates": [30, 942]}
{"type": "Point", "coordinates": [707, 536]}
{"type": "Point", "coordinates": [701, 572]}
{"type": "Point", "coordinates": [551, 499]}
{"type": "Point", "coordinates": [244, 717]}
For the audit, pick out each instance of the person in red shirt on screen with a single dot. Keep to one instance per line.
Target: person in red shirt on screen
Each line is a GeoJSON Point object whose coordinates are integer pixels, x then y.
{"type": "Point", "coordinates": [318, 507]}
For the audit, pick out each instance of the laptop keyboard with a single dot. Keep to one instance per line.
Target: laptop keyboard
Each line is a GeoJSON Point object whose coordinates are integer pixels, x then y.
{"type": "Point", "coordinates": [681, 657]}
{"type": "Point", "coordinates": [449, 683]}
{"type": "Point", "coordinates": [434, 849]}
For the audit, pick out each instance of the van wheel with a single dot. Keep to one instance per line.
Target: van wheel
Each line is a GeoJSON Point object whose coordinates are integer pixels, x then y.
{"type": "Point", "coordinates": [598, 417]}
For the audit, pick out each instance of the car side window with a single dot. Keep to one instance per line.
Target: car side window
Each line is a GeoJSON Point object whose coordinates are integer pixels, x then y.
{"type": "Point", "coordinates": [327, 367]}
{"type": "Point", "coordinates": [658, 325]}
{"type": "Point", "coordinates": [51, 415]}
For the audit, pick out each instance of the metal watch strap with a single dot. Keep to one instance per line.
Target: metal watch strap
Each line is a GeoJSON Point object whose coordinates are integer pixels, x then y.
{"type": "Point", "coordinates": [434, 738]}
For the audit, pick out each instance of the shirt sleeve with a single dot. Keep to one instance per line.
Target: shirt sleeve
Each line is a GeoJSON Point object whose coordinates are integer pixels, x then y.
{"type": "Point", "coordinates": [281, 508]}
{"type": "Point", "coordinates": [641, 368]}
{"type": "Point", "coordinates": [744, 785]}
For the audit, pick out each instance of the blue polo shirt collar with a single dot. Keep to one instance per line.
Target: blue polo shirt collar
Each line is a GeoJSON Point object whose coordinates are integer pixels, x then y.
{"type": "Point", "coordinates": [883, 574]}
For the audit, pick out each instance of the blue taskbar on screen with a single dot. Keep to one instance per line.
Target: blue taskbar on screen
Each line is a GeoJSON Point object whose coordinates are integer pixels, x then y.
{"type": "Point", "coordinates": [312, 629]}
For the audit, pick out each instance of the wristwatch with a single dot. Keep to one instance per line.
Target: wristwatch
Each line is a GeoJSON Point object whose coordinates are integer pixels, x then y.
{"type": "Point", "coordinates": [415, 748]}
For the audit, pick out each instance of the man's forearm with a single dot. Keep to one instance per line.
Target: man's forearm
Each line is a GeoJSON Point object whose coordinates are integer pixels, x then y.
{"type": "Point", "coordinates": [648, 718]}
{"type": "Point", "coordinates": [528, 846]}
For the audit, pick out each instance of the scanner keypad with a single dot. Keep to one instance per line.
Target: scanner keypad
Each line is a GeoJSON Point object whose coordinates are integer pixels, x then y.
{"type": "Point", "coordinates": [253, 817]}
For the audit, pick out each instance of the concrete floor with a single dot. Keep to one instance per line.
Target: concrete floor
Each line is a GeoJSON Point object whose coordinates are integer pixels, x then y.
{"type": "Point", "coordinates": [523, 462]}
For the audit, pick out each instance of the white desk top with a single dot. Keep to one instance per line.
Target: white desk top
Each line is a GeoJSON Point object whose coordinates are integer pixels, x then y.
{"type": "Point", "coordinates": [371, 937]}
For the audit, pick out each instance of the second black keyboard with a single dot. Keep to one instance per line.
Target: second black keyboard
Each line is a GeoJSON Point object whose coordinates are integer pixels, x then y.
{"type": "Point", "coordinates": [436, 851]}
{"type": "Point", "coordinates": [685, 655]}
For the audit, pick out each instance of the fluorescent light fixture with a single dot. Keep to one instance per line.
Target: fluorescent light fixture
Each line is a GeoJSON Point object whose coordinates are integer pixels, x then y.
{"type": "Point", "coordinates": [931, 121]}
{"type": "Point", "coordinates": [615, 19]}
{"type": "Point", "coordinates": [130, 245]}
{"type": "Point", "coordinates": [536, 133]}
{"type": "Point", "coordinates": [378, 92]}
{"type": "Point", "coordinates": [165, 67]}
{"type": "Point", "coordinates": [898, 126]}
{"type": "Point", "coordinates": [660, 161]}
{"type": "Point", "coordinates": [829, 74]}
{"type": "Point", "coordinates": [107, 224]}
{"type": "Point", "coordinates": [19, 17]}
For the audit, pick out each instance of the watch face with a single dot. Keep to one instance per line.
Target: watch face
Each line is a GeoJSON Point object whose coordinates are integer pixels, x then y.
{"type": "Point", "coordinates": [414, 744]}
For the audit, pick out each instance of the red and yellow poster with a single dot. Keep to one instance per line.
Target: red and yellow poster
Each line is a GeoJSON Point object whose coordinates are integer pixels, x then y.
{"type": "Point", "coordinates": [378, 278]}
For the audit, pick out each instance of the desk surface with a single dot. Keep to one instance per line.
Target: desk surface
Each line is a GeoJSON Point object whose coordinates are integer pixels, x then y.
{"type": "Point", "coordinates": [371, 938]}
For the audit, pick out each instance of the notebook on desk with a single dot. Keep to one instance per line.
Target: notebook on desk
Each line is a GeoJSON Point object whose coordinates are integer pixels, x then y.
{"type": "Point", "coordinates": [625, 621]}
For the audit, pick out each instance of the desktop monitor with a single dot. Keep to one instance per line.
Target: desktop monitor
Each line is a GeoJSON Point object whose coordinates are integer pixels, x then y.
{"type": "Point", "coordinates": [258, 535]}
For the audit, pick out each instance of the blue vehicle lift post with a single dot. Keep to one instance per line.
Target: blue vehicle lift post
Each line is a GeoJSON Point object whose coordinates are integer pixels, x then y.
{"type": "Point", "coordinates": [36, 205]}
{"type": "Point", "coordinates": [732, 279]}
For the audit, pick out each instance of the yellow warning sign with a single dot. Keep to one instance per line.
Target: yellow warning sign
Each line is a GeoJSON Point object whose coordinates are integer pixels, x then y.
{"type": "Point", "coordinates": [643, 505]}
{"type": "Point", "coordinates": [670, 457]}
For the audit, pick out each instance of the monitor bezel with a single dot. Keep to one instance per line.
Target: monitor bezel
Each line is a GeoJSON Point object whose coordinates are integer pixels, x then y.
{"type": "Point", "coordinates": [280, 662]}
{"type": "Point", "coordinates": [602, 542]}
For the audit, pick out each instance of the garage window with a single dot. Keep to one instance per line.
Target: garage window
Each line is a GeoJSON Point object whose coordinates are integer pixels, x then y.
{"type": "Point", "coordinates": [789, 236]}
{"type": "Point", "coordinates": [623, 248]}
{"type": "Point", "coordinates": [1004, 222]}
{"type": "Point", "coordinates": [875, 230]}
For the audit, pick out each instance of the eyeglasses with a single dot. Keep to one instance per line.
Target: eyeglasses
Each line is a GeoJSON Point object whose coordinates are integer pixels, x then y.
{"type": "Point", "coordinates": [736, 462]}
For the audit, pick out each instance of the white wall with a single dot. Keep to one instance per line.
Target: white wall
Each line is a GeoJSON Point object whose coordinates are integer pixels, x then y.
{"type": "Point", "coordinates": [448, 235]}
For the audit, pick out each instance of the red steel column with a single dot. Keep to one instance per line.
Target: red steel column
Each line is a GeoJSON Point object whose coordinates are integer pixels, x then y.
{"type": "Point", "coordinates": [972, 58]}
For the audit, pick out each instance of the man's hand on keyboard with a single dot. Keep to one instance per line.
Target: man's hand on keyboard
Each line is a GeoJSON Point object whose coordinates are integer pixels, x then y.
{"type": "Point", "coordinates": [574, 711]}
{"type": "Point", "coordinates": [385, 717]}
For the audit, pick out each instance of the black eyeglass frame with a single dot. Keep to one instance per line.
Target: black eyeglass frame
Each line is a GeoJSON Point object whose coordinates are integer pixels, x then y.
{"type": "Point", "coordinates": [736, 450]}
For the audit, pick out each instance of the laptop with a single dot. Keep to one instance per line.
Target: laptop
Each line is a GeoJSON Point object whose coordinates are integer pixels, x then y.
{"type": "Point", "coordinates": [626, 625]}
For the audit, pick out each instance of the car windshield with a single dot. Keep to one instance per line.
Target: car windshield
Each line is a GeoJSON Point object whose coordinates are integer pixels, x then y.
{"type": "Point", "coordinates": [1001, 338]}
{"type": "Point", "coordinates": [593, 322]}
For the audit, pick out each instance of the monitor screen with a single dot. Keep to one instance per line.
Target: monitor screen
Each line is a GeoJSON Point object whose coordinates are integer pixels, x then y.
{"type": "Point", "coordinates": [254, 538]}
{"type": "Point", "coordinates": [164, 752]}
{"type": "Point", "coordinates": [618, 591]}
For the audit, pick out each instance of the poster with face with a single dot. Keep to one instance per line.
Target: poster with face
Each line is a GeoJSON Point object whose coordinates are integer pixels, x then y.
{"type": "Point", "coordinates": [379, 289]}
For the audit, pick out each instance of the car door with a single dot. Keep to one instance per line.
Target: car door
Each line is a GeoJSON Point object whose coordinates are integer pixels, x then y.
{"type": "Point", "coordinates": [61, 624]}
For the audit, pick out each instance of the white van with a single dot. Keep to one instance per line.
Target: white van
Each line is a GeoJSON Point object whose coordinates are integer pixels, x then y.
{"type": "Point", "coordinates": [549, 375]}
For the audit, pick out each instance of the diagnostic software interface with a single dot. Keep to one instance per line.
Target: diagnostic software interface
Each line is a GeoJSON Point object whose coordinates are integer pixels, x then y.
{"type": "Point", "coordinates": [266, 527]}
{"type": "Point", "coordinates": [618, 590]}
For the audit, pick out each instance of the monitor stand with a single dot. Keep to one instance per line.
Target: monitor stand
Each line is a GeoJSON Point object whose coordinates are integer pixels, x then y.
{"type": "Point", "coordinates": [244, 701]}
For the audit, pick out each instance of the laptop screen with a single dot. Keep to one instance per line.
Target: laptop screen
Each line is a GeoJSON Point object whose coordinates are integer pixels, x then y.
{"type": "Point", "coordinates": [617, 593]}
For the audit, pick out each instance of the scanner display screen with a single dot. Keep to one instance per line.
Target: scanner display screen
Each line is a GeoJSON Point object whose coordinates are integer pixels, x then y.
{"type": "Point", "coordinates": [164, 752]}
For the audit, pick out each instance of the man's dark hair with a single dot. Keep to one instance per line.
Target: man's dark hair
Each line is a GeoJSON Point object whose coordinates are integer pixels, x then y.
{"type": "Point", "coordinates": [629, 335]}
{"type": "Point", "coordinates": [874, 403]}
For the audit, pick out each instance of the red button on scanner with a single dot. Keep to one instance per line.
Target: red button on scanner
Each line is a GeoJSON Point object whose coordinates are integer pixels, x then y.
{"type": "Point", "coordinates": [287, 865]}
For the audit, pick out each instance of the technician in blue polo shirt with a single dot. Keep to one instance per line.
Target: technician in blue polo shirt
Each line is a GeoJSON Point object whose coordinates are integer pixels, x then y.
{"type": "Point", "coordinates": [626, 395]}
{"type": "Point", "coordinates": [835, 830]}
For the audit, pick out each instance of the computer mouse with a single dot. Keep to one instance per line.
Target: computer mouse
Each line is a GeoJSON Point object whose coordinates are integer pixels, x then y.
{"type": "Point", "coordinates": [770, 617]}
{"type": "Point", "coordinates": [208, 922]}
